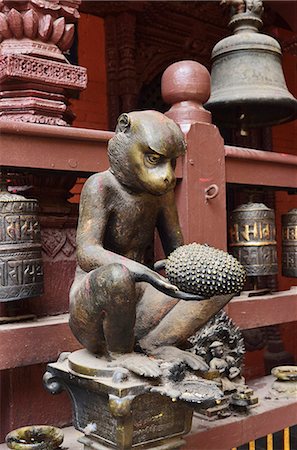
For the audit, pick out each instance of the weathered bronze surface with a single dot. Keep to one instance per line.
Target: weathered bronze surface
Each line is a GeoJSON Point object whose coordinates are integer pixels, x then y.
{"type": "Point", "coordinates": [289, 243]}
{"type": "Point", "coordinates": [129, 382]}
{"type": "Point", "coordinates": [35, 437]}
{"type": "Point", "coordinates": [248, 88]}
{"type": "Point", "coordinates": [220, 343]}
{"type": "Point", "coordinates": [117, 300]}
{"type": "Point", "coordinates": [252, 238]}
{"type": "Point", "coordinates": [220, 339]}
{"type": "Point", "coordinates": [204, 270]}
{"type": "Point", "coordinates": [116, 410]}
{"type": "Point", "coordinates": [21, 272]}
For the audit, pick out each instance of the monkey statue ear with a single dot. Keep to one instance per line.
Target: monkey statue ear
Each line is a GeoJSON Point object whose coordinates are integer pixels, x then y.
{"type": "Point", "coordinates": [124, 123]}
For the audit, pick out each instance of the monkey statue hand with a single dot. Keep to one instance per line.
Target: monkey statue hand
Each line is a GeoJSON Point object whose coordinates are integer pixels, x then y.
{"type": "Point", "coordinates": [162, 284]}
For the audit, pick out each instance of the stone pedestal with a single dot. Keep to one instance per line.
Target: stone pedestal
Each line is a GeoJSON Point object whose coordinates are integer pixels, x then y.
{"type": "Point", "coordinates": [116, 410]}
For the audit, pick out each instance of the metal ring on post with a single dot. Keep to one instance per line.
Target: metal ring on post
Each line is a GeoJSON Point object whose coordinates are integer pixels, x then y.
{"type": "Point", "coordinates": [211, 191]}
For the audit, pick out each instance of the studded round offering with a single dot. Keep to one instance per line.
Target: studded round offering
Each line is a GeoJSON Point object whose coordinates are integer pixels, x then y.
{"type": "Point", "coordinates": [204, 270]}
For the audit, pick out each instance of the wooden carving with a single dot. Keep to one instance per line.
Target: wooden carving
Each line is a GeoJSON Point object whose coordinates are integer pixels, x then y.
{"type": "Point", "coordinates": [35, 76]}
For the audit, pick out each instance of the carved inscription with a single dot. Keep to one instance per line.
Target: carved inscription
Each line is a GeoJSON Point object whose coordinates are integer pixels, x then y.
{"type": "Point", "coordinates": [252, 239]}
{"type": "Point", "coordinates": [21, 270]}
{"type": "Point", "coordinates": [290, 233]}
{"type": "Point", "coordinates": [257, 260]}
{"type": "Point", "coordinates": [289, 244]}
{"type": "Point", "coordinates": [20, 273]}
{"type": "Point", "coordinates": [20, 228]}
{"type": "Point", "coordinates": [92, 408]}
{"type": "Point", "coordinates": [159, 418]}
{"type": "Point", "coordinates": [257, 231]}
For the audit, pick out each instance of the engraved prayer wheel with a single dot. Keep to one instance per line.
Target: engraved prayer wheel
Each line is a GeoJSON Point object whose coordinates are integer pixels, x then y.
{"type": "Point", "coordinates": [252, 238]}
{"type": "Point", "coordinates": [21, 271]}
{"type": "Point", "coordinates": [289, 243]}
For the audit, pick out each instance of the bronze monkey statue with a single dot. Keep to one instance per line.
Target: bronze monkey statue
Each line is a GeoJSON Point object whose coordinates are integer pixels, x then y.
{"type": "Point", "coordinates": [117, 300]}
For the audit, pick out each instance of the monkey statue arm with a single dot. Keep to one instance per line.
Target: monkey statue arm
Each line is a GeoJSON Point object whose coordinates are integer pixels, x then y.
{"type": "Point", "coordinates": [92, 225]}
{"type": "Point", "coordinates": [91, 253]}
{"type": "Point", "coordinates": [168, 224]}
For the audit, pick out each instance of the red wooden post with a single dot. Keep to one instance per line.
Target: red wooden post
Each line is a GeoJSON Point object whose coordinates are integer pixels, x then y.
{"type": "Point", "coordinates": [201, 194]}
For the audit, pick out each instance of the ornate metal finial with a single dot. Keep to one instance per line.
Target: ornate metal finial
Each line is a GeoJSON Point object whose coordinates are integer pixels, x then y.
{"type": "Point", "coordinates": [245, 6]}
{"type": "Point", "coordinates": [245, 15]}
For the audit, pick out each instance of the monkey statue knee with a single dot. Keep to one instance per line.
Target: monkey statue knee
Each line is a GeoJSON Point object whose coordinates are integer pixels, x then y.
{"type": "Point", "coordinates": [98, 300]}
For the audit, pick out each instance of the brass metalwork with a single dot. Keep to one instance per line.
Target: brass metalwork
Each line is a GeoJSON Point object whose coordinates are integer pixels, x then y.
{"type": "Point", "coordinates": [252, 238]}
{"type": "Point", "coordinates": [285, 373]}
{"type": "Point", "coordinates": [289, 243]}
{"type": "Point", "coordinates": [285, 384]}
{"type": "Point", "coordinates": [121, 413]}
{"type": "Point", "coordinates": [248, 87]}
{"type": "Point", "coordinates": [21, 272]}
{"type": "Point", "coordinates": [117, 300]}
{"type": "Point", "coordinates": [205, 270]}
{"type": "Point", "coordinates": [135, 385]}
{"type": "Point", "coordinates": [35, 437]}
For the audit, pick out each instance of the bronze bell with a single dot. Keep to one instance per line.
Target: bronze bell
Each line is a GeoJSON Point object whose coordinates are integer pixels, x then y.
{"type": "Point", "coordinates": [248, 87]}
{"type": "Point", "coordinates": [21, 272]}
{"type": "Point", "coordinates": [289, 243]}
{"type": "Point", "coordinates": [252, 239]}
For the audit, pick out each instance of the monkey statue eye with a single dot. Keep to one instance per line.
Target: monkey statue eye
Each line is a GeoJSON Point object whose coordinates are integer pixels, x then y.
{"type": "Point", "coordinates": [152, 158]}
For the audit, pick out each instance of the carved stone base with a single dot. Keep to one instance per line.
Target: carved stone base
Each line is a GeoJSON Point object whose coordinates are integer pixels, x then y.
{"type": "Point", "coordinates": [114, 409]}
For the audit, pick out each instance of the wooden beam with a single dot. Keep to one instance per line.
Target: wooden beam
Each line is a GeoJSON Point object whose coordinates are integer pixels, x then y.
{"type": "Point", "coordinates": [42, 340]}
{"type": "Point", "coordinates": [34, 342]}
{"type": "Point", "coordinates": [25, 145]}
{"type": "Point", "coordinates": [247, 166]}
{"type": "Point", "coordinates": [252, 312]}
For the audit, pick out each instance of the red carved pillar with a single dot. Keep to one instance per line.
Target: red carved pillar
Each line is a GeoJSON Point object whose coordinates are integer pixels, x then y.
{"type": "Point", "coordinates": [35, 82]}
{"type": "Point", "coordinates": [201, 190]}
{"type": "Point", "coordinates": [127, 64]}
{"type": "Point", "coordinates": [35, 76]}
{"type": "Point", "coordinates": [112, 62]}
{"type": "Point", "coordinates": [121, 64]}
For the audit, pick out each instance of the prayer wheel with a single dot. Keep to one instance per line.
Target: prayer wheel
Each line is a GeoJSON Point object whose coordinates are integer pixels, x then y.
{"type": "Point", "coordinates": [289, 243]}
{"type": "Point", "coordinates": [252, 239]}
{"type": "Point", "coordinates": [21, 272]}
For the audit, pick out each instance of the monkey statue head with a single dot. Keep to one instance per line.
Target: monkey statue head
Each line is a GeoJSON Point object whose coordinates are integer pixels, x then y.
{"type": "Point", "coordinates": [143, 151]}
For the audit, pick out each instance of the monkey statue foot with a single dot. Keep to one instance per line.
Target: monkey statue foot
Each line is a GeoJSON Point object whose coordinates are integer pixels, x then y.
{"type": "Point", "coordinates": [138, 364]}
{"type": "Point", "coordinates": [174, 354]}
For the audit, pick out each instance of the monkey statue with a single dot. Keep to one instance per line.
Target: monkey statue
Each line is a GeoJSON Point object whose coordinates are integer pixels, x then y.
{"type": "Point", "coordinates": [118, 303]}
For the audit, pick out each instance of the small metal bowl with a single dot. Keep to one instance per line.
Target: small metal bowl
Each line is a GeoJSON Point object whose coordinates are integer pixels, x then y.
{"type": "Point", "coordinates": [35, 437]}
{"type": "Point", "coordinates": [285, 373]}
